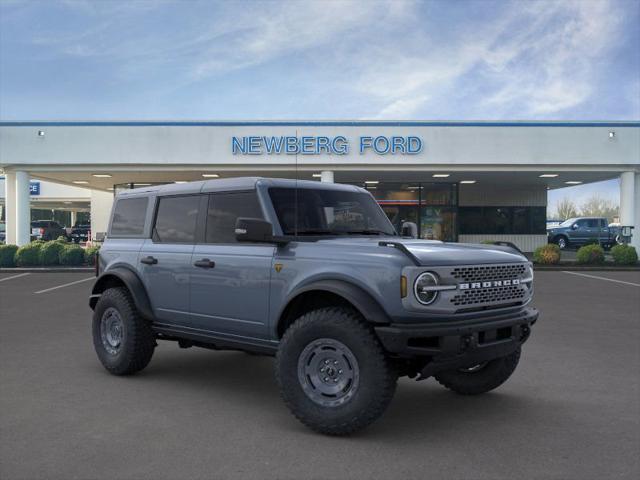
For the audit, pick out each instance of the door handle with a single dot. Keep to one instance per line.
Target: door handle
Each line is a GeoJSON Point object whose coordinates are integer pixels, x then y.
{"type": "Point", "coordinates": [149, 260]}
{"type": "Point", "coordinates": [204, 263]}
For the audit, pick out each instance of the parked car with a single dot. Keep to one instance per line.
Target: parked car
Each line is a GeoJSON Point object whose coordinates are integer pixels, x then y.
{"type": "Point", "coordinates": [80, 232]}
{"type": "Point", "coordinates": [316, 275]}
{"type": "Point", "coordinates": [579, 231]}
{"type": "Point", "coordinates": [47, 230]}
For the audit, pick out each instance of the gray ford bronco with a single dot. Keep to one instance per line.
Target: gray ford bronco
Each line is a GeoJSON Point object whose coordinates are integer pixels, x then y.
{"type": "Point", "coordinates": [314, 274]}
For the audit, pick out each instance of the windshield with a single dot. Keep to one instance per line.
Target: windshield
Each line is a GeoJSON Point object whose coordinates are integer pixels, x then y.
{"type": "Point", "coordinates": [568, 222]}
{"type": "Point", "coordinates": [329, 212]}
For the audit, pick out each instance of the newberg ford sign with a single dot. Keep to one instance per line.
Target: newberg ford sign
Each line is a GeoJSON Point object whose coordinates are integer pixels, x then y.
{"type": "Point", "coordinates": [312, 145]}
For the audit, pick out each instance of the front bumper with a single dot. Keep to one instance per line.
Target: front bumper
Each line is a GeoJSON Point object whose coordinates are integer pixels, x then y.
{"type": "Point", "coordinates": [452, 345]}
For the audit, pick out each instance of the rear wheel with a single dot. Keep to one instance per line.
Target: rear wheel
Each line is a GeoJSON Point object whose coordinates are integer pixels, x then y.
{"type": "Point", "coordinates": [332, 372]}
{"type": "Point", "coordinates": [480, 378]}
{"type": "Point", "coordinates": [122, 339]}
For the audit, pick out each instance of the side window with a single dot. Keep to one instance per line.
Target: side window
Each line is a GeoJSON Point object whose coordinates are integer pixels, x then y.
{"type": "Point", "coordinates": [176, 219]}
{"type": "Point", "coordinates": [581, 223]}
{"type": "Point", "coordinates": [128, 216]}
{"type": "Point", "coordinates": [224, 210]}
{"type": "Point", "coordinates": [603, 223]}
{"type": "Point", "coordinates": [593, 223]}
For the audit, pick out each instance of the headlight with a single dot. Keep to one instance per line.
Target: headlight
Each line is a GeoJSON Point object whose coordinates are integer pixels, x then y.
{"type": "Point", "coordinates": [425, 288]}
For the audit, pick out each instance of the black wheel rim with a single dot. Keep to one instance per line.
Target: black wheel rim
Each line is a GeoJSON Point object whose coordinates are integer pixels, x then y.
{"type": "Point", "coordinates": [111, 330]}
{"type": "Point", "coordinates": [328, 372]}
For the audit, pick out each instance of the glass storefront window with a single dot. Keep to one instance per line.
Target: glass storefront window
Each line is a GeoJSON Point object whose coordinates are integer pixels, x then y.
{"type": "Point", "coordinates": [431, 206]}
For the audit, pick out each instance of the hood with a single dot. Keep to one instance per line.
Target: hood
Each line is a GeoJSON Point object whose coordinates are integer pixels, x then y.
{"type": "Point", "coordinates": [435, 253]}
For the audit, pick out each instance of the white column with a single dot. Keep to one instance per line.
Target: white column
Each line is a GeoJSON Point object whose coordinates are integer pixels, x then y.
{"type": "Point", "coordinates": [629, 205]}
{"type": "Point", "coordinates": [101, 203]}
{"type": "Point", "coordinates": [326, 176]}
{"type": "Point", "coordinates": [10, 206]}
{"type": "Point", "coordinates": [23, 208]}
{"type": "Point", "coordinates": [73, 218]}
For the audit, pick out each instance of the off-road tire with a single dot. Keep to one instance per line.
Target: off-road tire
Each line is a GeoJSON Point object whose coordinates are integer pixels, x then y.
{"type": "Point", "coordinates": [138, 340]}
{"type": "Point", "coordinates": [489, 377]}
{"type": "Point", "coordinates": [377, 376]}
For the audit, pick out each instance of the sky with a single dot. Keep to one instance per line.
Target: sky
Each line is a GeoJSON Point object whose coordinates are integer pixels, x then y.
{"type": "Point", "coordinates": [386, 60]}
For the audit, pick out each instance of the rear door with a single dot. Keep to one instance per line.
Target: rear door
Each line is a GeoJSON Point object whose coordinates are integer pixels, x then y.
{"type": "Point", "coordinates": [165, 258]}
{"type": "Point", "coordinates": [230, 280]}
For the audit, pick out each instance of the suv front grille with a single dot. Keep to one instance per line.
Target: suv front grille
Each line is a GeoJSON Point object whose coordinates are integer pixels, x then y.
{"type": "Point", "coordinates": [513, 293]}
{"type": "Point", "coordinates": [490, 272]}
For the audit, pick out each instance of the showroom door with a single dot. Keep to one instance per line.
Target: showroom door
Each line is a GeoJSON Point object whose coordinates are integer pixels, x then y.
{"type": "Point", "coordinates": [165, 259]}
{"type": "Point", "coordinates": [230, 281]}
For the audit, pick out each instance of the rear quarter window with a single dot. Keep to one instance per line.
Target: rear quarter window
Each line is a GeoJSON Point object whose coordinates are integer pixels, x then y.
{"type": "Point", "coordinates": [128, 217]}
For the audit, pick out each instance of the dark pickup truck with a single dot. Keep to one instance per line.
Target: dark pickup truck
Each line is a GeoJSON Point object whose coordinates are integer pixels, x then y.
{"type": "Point", "coordinates": [583, 230]}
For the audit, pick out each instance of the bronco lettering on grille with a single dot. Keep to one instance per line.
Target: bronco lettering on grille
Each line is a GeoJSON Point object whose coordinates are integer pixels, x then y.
{"type": "Point", "coordinates": [489, 284]}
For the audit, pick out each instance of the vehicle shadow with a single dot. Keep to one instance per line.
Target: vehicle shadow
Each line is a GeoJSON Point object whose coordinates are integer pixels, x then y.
{"type": "Point", "coordinates": [422, 410]}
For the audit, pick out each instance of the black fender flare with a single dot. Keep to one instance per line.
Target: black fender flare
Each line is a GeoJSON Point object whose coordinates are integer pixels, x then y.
{"type": "Point", "coordinates": [368, 306]}
{"type": "Point", "coordinates": [133, 283]}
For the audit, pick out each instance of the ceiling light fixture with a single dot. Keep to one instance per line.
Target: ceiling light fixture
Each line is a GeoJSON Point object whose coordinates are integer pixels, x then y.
{"type": "Point", "coordinates": [441, 175]}
{"type": "Point", "coordinates": [80, 182]}
{"type": "Point", "coordinates": [573, 182]}
{"type": "Point", "coordinates": [468, 181]}
{"type": "Point", "coordinates": [101, 175]}
{"type": "Point", "coordinates": [549, 175]}
{"type": "Point", "coordinates": [210, 175]}
{"type": "Point", "coordinates": [372, 182]}
{"type": "Point", "coordinates": [317, 175]}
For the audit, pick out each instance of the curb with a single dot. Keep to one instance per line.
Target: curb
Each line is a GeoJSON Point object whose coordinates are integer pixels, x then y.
{"type": "Point", "coordinates": [585, 268]}
{"type": "Point", "coordinates": [46, 270]}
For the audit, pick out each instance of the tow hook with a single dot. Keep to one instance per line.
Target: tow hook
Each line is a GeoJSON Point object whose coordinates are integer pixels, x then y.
{"type": "Point", "coordinates": [524, 333]}
{"type": "Point", "coordinates": [469, 342]}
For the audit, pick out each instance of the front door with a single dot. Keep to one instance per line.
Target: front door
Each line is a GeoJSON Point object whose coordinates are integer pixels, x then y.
{"type": "Point", "coordinates": [229, 280]}
{"type": "Point", "coordinates": [580, 232]}
{"type": "Point", "coordinates": [165, 259]}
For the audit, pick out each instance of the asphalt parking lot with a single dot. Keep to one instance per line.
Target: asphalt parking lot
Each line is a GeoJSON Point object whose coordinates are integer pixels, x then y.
{"type": "Point", "coordinates": [571, 410]}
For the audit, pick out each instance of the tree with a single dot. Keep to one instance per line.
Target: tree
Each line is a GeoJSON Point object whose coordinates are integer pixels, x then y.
{"type": "Point", "coordinates": [565, 209]}
{"type": "Point", "coordinates": [596, 206]}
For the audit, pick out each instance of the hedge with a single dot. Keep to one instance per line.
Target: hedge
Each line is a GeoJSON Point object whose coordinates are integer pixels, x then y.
{"type": "Point", "coordinates": [50, 253]}
{"type": "Point", "coordinates": [624, 255]}
{"type": "Point", "coordinates": [72, 255]}
{"type": "Point", "coordinates": [8, 255]}
{"type": "Point", "coordinates": [547, 254]}
{"type": "Point", "coordinates": [90, 255]}
{"type": "Point", "coordinates": [29, 255]}
{"type": "Point", "coordinates": [590, 254]}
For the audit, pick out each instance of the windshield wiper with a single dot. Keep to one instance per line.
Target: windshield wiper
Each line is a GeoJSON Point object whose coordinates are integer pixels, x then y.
{"type": "Point", "coordinates": [315, 231]}
{"type": "Point", "coordinates": [366, 232]}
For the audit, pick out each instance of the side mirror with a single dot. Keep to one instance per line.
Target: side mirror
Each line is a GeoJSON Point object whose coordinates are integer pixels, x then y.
{"type": "Point", "coordinates": [253, 230]}
{"type": "Point", "coordinates": [409, 229]}
{"type": "Point", "coordinates": [574, 226]}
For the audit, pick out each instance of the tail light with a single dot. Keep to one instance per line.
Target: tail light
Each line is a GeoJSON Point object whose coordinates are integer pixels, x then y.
{"type": "Point", "coordinates": [41, 232]}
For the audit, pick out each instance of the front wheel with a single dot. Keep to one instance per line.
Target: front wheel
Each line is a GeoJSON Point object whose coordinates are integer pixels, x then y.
{"type": "Point", "coordinates": [332, 372]}
{"type": "Point", "coordinates": [562, 242]}
{"type": "Point", "coordinates": [480, 378]}
{"type": "Point", "coordinates": [122, 339]}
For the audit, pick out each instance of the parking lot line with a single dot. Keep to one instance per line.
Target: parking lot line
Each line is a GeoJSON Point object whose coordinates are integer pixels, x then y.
{"type": "Point", "coordinates": [12, 277]}
{"type": "Point", "coordinates": [602, 278]}
{"type": "Point", "coordinates": [65, 285]}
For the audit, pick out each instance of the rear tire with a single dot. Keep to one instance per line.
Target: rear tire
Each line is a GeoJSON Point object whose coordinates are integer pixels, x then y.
{"type": "Point", "coordinates": [332, 372]}
{"type": "Point", "coordinates": [475, 381]}
{"type": "Point", "coordinates": [122, 339]}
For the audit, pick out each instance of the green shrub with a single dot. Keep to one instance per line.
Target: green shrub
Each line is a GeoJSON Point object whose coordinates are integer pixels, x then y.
{"type": "Point", "coordinates": [590, 254]}
{"type": "Point", "coordinates": [624, 255]}
{"type": "Point", "coordinates": [38, 242]}
{"type": "Point", "coordinates": [29, 255]}
{"type": "Point", "coordinates": [8, 255]}
{"type": "Point", "coordinates": [50, 253]}
{"type": "Point", "coordinates": [71, 255]}
{"type": "Point", "coordinates": [90, 255]}
{"type": "Point", "coordinates": [547, 254]}
{"type": "Point", "coordinates": [487, 242]}
{"type": "Point", "coordinates": [62, 239]}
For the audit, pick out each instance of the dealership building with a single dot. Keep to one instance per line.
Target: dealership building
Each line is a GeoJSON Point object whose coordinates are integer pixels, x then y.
{"type": "Point", "coordinates": [457, 181]}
